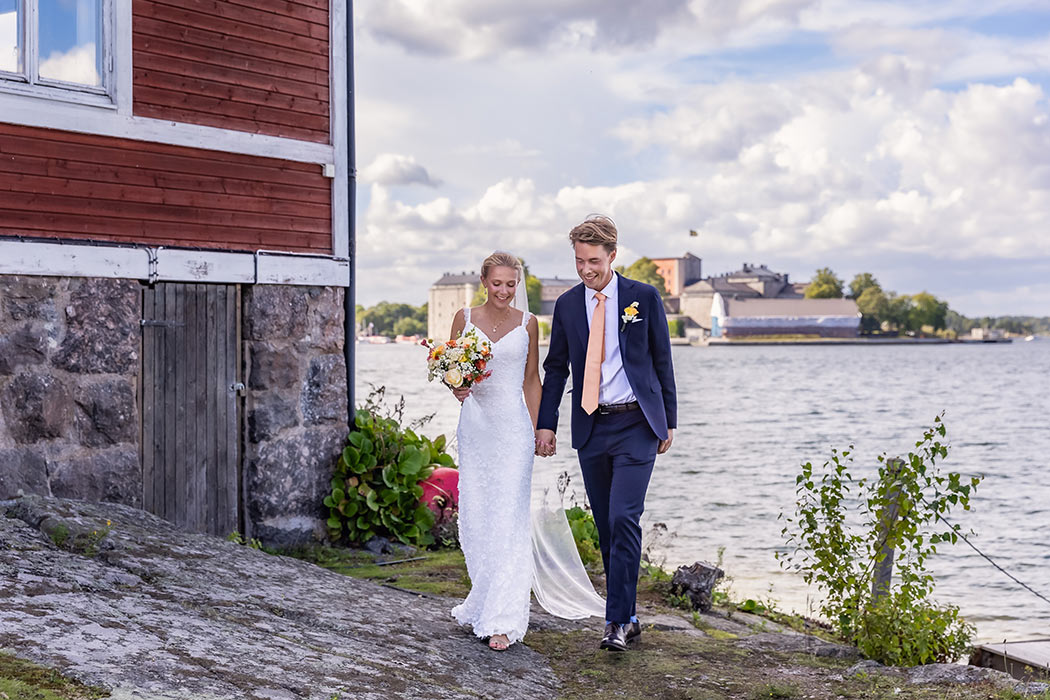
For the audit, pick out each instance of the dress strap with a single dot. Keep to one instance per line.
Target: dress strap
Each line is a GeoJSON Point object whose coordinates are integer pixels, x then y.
{"type": "Point", "coordinates": [525, 315]}
{"type": "Point", "coordinates": [466, 314]}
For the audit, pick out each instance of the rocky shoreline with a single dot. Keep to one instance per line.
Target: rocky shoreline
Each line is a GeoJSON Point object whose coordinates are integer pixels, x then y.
{"type": "Point", "coordinates": [119, 599]}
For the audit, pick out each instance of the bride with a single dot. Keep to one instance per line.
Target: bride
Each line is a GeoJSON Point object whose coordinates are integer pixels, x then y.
{"type": "Point", "coordinates": [496, 436]}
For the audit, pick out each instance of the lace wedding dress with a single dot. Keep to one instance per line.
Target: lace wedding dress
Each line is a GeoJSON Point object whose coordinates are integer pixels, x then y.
{"type": "Point", "coordinates": [511, 544]}
{"type": "Point", "coordinates": [496, 447]}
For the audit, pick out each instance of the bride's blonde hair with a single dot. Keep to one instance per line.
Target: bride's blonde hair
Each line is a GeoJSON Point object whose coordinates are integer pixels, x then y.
{"type": "Point", "coordinates": [500, 259]}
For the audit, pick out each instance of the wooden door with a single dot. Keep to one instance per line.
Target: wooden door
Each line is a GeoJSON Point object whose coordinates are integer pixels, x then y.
{"type": "Point", "coordinates": [191, 425]}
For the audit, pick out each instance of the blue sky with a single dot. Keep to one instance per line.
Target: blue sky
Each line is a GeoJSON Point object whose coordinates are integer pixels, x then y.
{"type": "Point", "coordinates": [906, 139]}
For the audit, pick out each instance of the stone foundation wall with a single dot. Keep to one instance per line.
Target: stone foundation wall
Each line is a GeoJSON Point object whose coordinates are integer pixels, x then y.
{"type": "Point", "coordinates": [69, 373]}
{"type": "Point", "coordinates": [295, 409]}
{"type": "Point", "coordinates": [70, 423]}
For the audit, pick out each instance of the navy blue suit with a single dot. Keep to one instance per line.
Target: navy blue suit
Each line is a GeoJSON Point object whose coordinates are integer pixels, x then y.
{"type": "Point", "coordinates": [617, 452]}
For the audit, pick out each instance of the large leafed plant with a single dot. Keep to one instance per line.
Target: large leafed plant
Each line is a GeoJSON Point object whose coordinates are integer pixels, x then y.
{"type": "Point", "coordinates": [375, 487]}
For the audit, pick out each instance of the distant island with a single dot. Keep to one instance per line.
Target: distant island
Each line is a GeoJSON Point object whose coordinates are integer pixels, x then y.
{"type": "Point", "coordinates": [753, 303]}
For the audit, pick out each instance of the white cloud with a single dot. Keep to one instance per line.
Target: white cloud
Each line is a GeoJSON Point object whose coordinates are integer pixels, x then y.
{"type": "Point", "coordinates": [867, 161]}
{"type": "Point", "coordinates": [78, 65]}
{"type": "Point", "coordinates": [9, 41]}
{"type": "Point", "coordinates": [397, 169]}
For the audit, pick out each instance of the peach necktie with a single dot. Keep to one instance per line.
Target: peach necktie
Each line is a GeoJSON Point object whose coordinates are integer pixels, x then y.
{"type": "Point", "coordinates": [592, 370]}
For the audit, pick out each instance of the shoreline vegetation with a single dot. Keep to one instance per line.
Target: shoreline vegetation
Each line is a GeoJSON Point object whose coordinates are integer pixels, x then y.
{"type": "Point", "coordinates": [893, 642]}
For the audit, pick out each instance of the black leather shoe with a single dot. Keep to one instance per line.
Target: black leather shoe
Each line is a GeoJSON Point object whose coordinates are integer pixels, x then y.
{"type": "Point", "coordinates": [615, 638]}
{"type": "Point", "coordinates": [634, 632]}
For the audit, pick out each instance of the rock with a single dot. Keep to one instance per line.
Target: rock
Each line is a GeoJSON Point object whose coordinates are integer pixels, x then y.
{"type": "Point", "coordinates": [698, 582]}
{"type": "Point", "coordinates": [30, 297]}
{"type": "Point", "coordinates": [324, 395]}
{"type": "Point", "coordinates": [22, 468]}
{"type": "Point", "coordinates": [271, 368]}
{"type": "Point", "coordinates": [103, 327]}
{"type": "Point", "coordinates": [326, 319]}
{"type": "Point", "coordinates": [286, 482]}
{"type": "Point", "coordinates": [267, 420]}
{"type": "Point", "coordinates": [37, 407]}
{"type": "Point", "coordinates": [107, 414]}
{"type": "Point", "coordinates": [23, 346]}
{"type": "Point", "coordinates": [166, 614]}
{"type": "Point", "coordinates": [113, 475]}
{"type": "Point", "coordinates": [275, 312]}
{"type": "Point", "coordinates": [796, 642]}
{"type": "Point", "coordinates": [865, 666]}
{"type": "Point", "coordinates": [957, 674]}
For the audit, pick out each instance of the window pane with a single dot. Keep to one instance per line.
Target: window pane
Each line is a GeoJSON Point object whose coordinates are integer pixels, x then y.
{"type": "Point", "coordinates": [71, 41]}
{"type": "Point", "coordinates": [10, 36]}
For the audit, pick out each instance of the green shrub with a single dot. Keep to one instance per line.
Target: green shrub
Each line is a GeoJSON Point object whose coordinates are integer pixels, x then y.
{"type": "Point", "coordinates": [676, 328]}
{"type": "Point", "coordinates": [375, 487]}
{"type": "Point", "coordinates": [585, 532]}
{"type": "Point", "coordinates": [903, 626]}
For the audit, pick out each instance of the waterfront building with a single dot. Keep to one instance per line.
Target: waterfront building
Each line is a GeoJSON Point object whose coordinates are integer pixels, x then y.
{"type": "Point", "coordinates": [744, 317]}
{"type": "Point", "coordinates": [174, 241]}
{"type": "Point", "coordinates": [679, 273]}
{"type": "Point", "coordinates": [447, 296]}
{"type": "Point", "coordinates": [749, 282]}
{"type": "Point", "coordinates": [553, 287]}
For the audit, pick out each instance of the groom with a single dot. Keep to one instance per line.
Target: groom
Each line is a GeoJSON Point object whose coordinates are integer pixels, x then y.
{"type": "Point", "coordinates": [612, 333]}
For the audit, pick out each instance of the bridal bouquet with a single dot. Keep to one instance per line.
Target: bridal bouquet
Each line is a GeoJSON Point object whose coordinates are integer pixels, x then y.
{"type": "Point", "coordinates": [460, 362]}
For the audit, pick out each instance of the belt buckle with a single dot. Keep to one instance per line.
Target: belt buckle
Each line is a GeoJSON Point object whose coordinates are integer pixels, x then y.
{"type": "Point", "coordinates": [604, 410]}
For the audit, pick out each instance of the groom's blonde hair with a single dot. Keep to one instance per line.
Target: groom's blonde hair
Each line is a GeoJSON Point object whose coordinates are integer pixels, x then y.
{"type": "Point", "coordinates": [500, 259]}
{"type": "Point", "coordinates": [595, 230]}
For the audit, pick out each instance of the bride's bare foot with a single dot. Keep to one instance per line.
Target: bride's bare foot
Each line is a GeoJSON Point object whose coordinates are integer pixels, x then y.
{"type": "Point", "coordinates": [499, 642]}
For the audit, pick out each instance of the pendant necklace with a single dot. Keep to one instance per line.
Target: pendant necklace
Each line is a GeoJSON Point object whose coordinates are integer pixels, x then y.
{"type": "Point", "coordinates": [496, 326]}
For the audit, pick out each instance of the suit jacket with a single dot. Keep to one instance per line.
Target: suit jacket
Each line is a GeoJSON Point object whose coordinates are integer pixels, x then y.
{"type": "Point", "coordinates": [645, 347]}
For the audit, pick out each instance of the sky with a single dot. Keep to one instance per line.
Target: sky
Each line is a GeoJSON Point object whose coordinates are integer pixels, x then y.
{"type": "Point", "coordinates": [906, 139]}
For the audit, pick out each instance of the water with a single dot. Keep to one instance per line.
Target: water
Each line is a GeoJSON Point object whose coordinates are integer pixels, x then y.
{"type": "Point", "coordinates": [749, 416]}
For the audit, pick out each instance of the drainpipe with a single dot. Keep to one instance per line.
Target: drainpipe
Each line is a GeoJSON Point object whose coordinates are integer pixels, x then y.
{"type": "Point", "coordinates": [350, 297]}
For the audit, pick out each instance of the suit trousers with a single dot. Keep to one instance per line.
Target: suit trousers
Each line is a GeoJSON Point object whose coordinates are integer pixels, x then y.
{"type": "Point", "coordinates": [616, 462]}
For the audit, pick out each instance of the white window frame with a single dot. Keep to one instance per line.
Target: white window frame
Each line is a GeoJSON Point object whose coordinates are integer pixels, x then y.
{"type": "Point", "coordinates": [25, 83]}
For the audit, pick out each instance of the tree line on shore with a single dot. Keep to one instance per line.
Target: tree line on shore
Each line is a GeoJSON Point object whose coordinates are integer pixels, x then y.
{"type": "Point", "coordinates": [887, 311]}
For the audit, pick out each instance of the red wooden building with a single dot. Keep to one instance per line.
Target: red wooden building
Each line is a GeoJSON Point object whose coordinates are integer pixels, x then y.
{"type": "Point", "coordinates": [175, 227]}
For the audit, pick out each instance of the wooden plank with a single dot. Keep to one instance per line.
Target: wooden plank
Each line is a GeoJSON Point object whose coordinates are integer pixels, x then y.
{"type": "Point", "coordinates": [230, 46]}
{"type": "Point", "coordinates": [231, 433]}
{"type": "Point", "coordinates": [211, 444]}
{"type": "Point", "coordinates": [231, 111]}
{"type": "Point", "coordinates": [200, 357]}
{"type": "Point", "coordinates": [170, 404]}
{"type": "Point", "coordinates": [44, 226]}
{"type": "Point", "coordinates": [1025, 660]}
{"type": "Point", "coordinates": [262, 34]}
{"type": "Point", "coordinates": [179, 457]}
{"type": "Point", "coordinates": [101, 190]}
{"type": "Point", "coordinates": [231, 90]}
{"type": "Point", "coordinates": [147, 398]}
{"type": "Point", "coordinates": [188, 116]}
{"type": "Point", "coordinates": [144, 212]}
{"type": "Point", "coordinates": [162, 53]}
{"type": "Point", "coordinates": [187, 424]}
{"type": "Point", "coordinates": [252, 14]}
{"type": "Point", "coordinates": [129, 153]}
{"type": "Point", "coordinates": [74, 172]}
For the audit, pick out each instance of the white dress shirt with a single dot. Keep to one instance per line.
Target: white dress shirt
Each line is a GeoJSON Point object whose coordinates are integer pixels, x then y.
{"type": "Point", "coordinates": [615, 387]}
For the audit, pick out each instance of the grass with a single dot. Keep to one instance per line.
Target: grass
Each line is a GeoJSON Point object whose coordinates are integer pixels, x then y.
{"type": "Point", "coordinates": [439, 572]}
{"type": "Point", "coordinates": [22, 680]}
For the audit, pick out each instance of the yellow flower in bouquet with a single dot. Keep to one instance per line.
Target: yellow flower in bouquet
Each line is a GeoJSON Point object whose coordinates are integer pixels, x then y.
{"type": "Point", "coordinates": [460, 362]}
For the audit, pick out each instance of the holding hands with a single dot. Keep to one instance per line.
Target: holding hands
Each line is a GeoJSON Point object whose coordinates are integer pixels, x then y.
{"type": "Point", "coordinates": [546, 443]}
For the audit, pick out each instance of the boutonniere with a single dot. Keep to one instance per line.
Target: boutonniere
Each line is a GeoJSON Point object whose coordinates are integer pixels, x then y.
{"type": "Point", "coordinates": [630, 315]}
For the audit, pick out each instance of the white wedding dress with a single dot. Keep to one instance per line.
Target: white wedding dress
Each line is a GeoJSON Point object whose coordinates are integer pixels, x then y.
{"type": "Point", "coordinates": [510, 550]}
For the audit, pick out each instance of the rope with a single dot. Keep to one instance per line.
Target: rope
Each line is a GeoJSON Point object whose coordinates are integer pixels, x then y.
{"type": "Point", "coordinates": [956, 530]}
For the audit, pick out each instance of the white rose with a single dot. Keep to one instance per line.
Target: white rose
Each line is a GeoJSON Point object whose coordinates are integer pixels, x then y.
{"type": "Point", "coordinates": [454, 378]}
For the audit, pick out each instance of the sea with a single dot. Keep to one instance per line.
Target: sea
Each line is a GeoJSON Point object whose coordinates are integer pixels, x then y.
{"type": "Point", "coordinates": [749, 416]}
